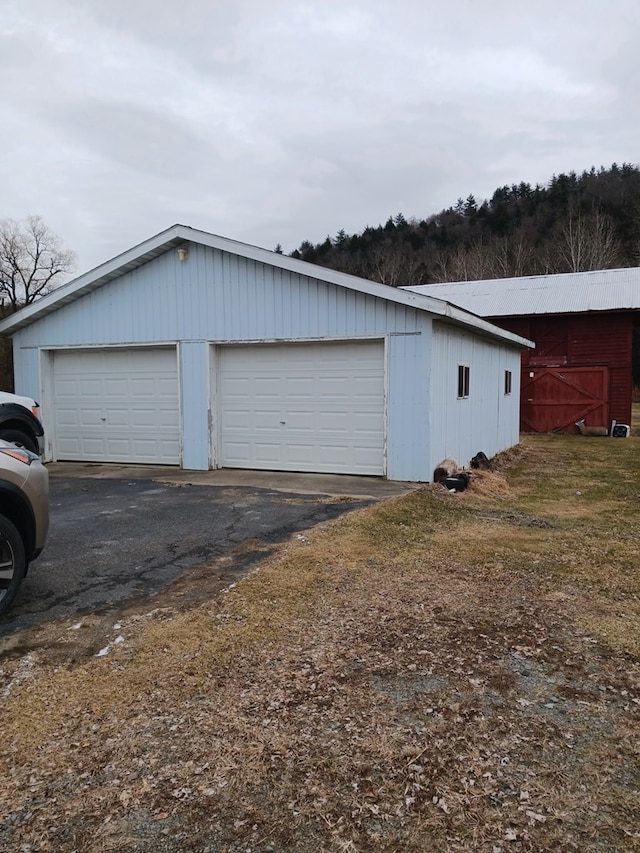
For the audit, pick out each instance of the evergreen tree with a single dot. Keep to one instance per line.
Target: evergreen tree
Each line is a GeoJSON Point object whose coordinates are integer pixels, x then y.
{"type": "Point", "coordinates": [576, 221]}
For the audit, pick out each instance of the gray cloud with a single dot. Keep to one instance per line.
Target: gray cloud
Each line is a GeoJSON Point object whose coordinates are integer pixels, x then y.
{"type": "Point", "coordinates": [286, 121]}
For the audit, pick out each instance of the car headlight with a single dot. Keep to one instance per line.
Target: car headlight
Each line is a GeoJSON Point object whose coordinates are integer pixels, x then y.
{"type": "Point", "coordinates": [21, 454]}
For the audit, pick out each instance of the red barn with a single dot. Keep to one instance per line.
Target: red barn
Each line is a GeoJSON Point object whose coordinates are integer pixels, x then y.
{"type": "Point", "coordinates": [582, 325]}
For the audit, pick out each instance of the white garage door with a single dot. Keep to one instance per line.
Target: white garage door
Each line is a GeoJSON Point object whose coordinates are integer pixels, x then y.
{"type": "Point", "coordinates": [303, 407]}
{"type": "Point", "coordinates": [117, 405]}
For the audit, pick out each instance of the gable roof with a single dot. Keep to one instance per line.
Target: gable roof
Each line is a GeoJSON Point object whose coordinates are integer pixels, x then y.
{"type": "Point", "coordinates": [182, 235]}
{"type": "Point", "coordinates": [563, 293]}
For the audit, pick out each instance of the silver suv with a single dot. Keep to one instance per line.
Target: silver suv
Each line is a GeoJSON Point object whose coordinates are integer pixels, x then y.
{"type": "Point", "coordinates": [20, 421]}
{"type": "Point", "coordinates": [24, 516]}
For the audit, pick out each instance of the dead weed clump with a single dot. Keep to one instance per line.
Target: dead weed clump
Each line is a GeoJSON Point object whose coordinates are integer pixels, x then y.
{"type": "Point", "coordinates": [489, 484]}
{"type": "Point", "coordinates": [435, 672]}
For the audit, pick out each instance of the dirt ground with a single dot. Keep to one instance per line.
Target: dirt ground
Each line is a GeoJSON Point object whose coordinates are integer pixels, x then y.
{"type": "Point", "coordinates": [437, 672]}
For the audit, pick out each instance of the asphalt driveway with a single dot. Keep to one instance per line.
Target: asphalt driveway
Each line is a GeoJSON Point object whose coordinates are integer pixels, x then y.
{"type": "Point", "coordinates": [114, 538]}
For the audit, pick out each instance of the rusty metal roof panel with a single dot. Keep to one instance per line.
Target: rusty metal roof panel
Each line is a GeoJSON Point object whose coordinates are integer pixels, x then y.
{"type": "Point", "coordinates": [565, 293]}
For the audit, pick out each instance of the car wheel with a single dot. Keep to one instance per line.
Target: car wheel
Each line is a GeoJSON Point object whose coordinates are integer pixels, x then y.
{"type": "Point", "coordinates": [12, 562]}
{"type": "Point", "coordinates": [22, 439]}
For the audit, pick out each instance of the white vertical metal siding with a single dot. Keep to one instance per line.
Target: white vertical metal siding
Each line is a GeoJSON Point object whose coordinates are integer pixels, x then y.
{"type": "Point", "coordinates": [487, 420]}
{"type": "Point", "coordinates": [26, 370]}
{"type": "Point", "coordinates": [409, 404]}
{"type": "Point", "coordinates": [193, 364]}
{"type": "Point", "coordinates": [215, 297]}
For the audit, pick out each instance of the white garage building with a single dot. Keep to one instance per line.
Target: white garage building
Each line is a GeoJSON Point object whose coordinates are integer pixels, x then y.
{"type": "Point", "coordinates": [195, 350]}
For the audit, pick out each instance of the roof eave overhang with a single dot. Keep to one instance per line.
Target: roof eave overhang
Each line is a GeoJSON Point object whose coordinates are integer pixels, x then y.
{"type": "Point", "coordinates": [486, 327]}
{"type": "Point", "coordinates": [566, 312]}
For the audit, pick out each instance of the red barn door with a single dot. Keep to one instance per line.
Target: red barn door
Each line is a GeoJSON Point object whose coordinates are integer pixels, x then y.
{"type": "Point", "coordinates": [554, 398]}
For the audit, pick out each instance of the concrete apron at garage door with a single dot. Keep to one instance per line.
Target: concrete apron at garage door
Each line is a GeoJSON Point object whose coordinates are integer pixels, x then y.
{"type": "Point", "coordinates": [281, 481]}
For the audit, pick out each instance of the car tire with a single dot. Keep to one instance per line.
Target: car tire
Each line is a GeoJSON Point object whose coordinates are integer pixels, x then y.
{"type": "Point", "coordinates": [13, 563]}
{"type": "Point", "coordinates": [22, 439]}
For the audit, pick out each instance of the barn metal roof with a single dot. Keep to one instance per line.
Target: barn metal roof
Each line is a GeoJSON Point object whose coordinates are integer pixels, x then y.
{"type": "Point", "coordinates": [182, 235]}
{"type": "Point", "coordinates": [565, 293]}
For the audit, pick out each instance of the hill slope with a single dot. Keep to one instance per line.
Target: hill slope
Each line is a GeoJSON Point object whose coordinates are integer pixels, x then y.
{"type": "Point", "coordinates": [574, 223]}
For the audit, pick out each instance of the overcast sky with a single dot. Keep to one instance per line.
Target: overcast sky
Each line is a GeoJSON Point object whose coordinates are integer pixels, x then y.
{"type": "Point", "coordinates": [275, 122]}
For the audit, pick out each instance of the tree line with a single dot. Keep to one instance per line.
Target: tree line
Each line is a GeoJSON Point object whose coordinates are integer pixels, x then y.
{"type": "Point", "coordinates": [574, 223]}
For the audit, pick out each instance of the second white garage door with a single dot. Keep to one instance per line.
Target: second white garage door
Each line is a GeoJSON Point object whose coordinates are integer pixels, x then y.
{"type": "Point", "coordinates": [117, 405]}
{"type": "Point", "coordinates": [303, 407]}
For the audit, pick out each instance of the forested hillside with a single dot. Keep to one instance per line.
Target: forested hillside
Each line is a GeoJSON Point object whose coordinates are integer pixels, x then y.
{"type": "Point", "coordinates": [574, 223]}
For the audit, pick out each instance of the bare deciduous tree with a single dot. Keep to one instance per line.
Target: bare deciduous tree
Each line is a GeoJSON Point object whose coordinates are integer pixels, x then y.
{"type": "Point", "coordinates": [512, 257]}
{"type": "Point", "coordinates": [33, 261]}
{"type": "Point", "coordinates": [586, 243]}
{"type": "Point", "coordinates": [464, 263]}
{"type": "Point", "coordinates": [393, 264]}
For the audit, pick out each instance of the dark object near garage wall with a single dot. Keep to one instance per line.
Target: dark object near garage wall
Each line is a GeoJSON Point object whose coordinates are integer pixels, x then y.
{"type": "Point", "coordinates": [481, 462]}
{"type": "Point", "coordinates": [458, 483]}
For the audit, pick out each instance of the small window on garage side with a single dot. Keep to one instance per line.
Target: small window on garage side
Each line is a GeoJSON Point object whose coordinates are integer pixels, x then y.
{"type": "Point", "coordinates": [507, 382]}
{"type": "Point", "coordinates": [463, 381]}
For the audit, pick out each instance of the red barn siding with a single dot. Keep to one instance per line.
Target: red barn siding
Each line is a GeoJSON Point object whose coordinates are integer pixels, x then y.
{"type": "Point", "coordinates": [620, 394]}
{"type": "Point", "coordinates": [582, 340]}
{"type": "Point", "coordinates": [517, 325]}
{"type": "Point", "coordinates": [606, 340]}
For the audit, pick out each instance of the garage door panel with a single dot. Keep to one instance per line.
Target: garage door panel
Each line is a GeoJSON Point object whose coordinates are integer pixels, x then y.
{"type": "Point", "coordinates": [303, 407]}
{"type": "Point", "coordinates": [299, 454]}
{"type": "Point", "coordinates": [67, 417]}
{"type": "Point", "coordinates": [146, 447]}
{"type": "Point", "coordinates": [66, 386]}
{"type": "Point", "coordinates": [89, 417]}
{"type": "Point", "coordinates": [69, 446]}
{"type": "Point", "coordinates": [366, 459]}
{"type": "Point", "coordinates": [293, 386]}
{"type": "Point", "coordinates": [88, 448]}
{"type": "Point", "coordinates": [86, 387]}
{"type": "Point", "coordinates": [168, 448]}
{"type": "Point", "coordinates": [117, 406]}
{"type": "Point", "coordinates": [238, 454]}
{"type": "Point", "coordinates": [163, 418]}
{"type": "Point", "coordinates": [267, 385]}
{"type": "Point", "coordinates": [119, 388]}
{"type": "Point", "coordinates": [269, 419]}
{"type": "Point", "coordinates": [238, 387]}
{"type": "Point", "coordinates": [119, 417]}
{"type": "Point", "coordinates": [238, 419]}
{"type": "Point", "coordinates": [145, 417]}
{"type": "Point", "coordinates": [118, 446]}
{"type": "Point", "coordinates": [264, 453]}
{"type": "Point", "coordinates": [335, 422]}
{"type": "Point", "coordinates": [307, 421]}
{"type": "Point", "coordinates": [166, 387]}
{"type": "Point", "coordinates": [368, 422]}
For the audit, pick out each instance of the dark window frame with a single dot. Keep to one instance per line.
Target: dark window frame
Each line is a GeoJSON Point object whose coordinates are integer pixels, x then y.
{"type": "Point", "coordinates": [508, 378]}
{"type": "Point", "coordinates": [463, 381]}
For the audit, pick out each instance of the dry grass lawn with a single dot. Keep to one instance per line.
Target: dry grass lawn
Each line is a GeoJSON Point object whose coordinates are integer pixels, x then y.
{"type": "Point", "coordinates": [434, 673]}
